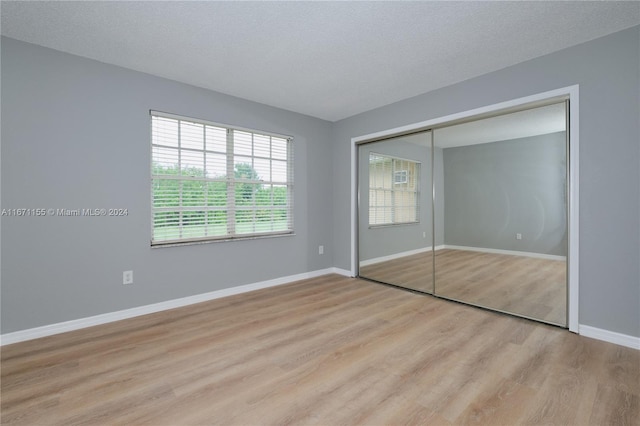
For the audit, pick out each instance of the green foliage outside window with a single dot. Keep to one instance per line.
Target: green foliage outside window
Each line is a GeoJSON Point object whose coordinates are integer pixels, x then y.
{"type": "Point", "coordinates": [258, 207]}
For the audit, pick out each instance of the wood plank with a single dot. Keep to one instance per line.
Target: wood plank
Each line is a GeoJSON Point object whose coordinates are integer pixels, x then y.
{"type": "Point", "coordinates": [328, 350]}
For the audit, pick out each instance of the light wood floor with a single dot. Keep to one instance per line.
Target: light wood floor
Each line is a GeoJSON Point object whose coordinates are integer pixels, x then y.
{"type": "Point", "coordinates": [526, 286]}
{"type": "Point", "coordinates": [330, 350]}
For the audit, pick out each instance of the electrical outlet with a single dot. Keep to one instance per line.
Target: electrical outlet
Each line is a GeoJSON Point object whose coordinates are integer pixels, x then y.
{"type": "Point", "coordinates": [127, 277]}
{"type": "Point", "coordinates": [518, 236]}
{"type": "Point", "coordinates": [320, 249]}
{"type": "Point", "coordinates": [424, 235]}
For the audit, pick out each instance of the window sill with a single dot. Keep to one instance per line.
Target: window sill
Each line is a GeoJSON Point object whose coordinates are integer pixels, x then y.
{"type": "Point", "coordinates": [220, 240]}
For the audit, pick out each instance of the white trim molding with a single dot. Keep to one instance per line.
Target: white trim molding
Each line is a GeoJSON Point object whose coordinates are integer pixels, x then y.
{"type": "Point", "coordinates": [341, 271]}
{"type": "Point", "coordinates": [63, 327]}
{"type": "Point", "coordinates": [610, 336]}
{"type": "Point", "coordinates": [393, 256]}
{"type": "Point", "coordinates": [508, 252]}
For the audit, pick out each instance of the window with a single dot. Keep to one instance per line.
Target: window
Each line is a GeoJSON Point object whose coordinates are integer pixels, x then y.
{"type": "Point", "coordinates": [400, 177]}
{"type": "Point", "coordinates": [393, 190]}
{"type": "Point", "coordinates": [213, 182]}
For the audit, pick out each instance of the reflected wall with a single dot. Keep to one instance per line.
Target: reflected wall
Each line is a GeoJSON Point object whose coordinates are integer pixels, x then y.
{"type": "Point", "coordinates": [507, 195]}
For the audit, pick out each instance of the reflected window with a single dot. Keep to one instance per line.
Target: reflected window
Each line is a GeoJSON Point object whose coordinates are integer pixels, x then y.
{"type": "Point", "coordinates": [393, 190]}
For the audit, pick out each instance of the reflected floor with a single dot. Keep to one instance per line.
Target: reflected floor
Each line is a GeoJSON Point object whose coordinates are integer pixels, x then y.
{"type": "Point", "coordinates": [521, 285]}
{"type": "Point", "coordinates": [414, 272]}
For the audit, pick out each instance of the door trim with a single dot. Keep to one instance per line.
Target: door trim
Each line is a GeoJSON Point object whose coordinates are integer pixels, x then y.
{"type": "Point", "coordinates": [572, 92]}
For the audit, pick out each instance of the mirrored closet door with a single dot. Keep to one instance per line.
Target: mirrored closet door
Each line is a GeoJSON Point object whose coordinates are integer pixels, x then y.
{"type": "Point", "coordinates": [395, 212]}
{"type": "Point", "coordinates": [505, 213]}
{"type": "Point", "coordinates": [472, 211]}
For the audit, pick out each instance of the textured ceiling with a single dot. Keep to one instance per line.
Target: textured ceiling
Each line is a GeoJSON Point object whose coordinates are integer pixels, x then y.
{"type": "Point", "coordinates": [329, 60]}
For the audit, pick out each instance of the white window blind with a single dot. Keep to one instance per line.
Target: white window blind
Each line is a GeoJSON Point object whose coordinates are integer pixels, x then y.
{"type": "Point", "coordinates": [393, 190]}
{"type": "Point", "coordinates": [214, 182]}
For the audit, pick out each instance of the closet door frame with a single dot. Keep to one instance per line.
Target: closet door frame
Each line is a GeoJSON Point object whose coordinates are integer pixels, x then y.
{"type": "Point", "coordinates": [572, 94]}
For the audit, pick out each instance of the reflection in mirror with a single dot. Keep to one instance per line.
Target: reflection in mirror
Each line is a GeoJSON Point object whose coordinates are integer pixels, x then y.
{"type": "Point", "coordinates": [505, 213]}
{"type": "Point", "coordinates": [394, 215]}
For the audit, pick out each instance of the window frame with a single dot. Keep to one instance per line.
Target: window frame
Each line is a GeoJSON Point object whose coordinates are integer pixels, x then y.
{"type": "Point", "coordinates": [230, 180]}
{"type": "Point", "coordinates": [403, 174]}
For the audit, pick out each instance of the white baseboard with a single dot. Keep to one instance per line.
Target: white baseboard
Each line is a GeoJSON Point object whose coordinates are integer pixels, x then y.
{"type": "Point", "coordinates": [62, 327]}
{"type": "Point", "coordinates": [451, 247]}
{"type": "Point", "coordinates": [609, 336]}
{"type": "Point", "coordinates": [509, 252]}
{"type": "Point", "coordinates": [341, 271]}
{"type": "Point", "coordinates": [397, 255]}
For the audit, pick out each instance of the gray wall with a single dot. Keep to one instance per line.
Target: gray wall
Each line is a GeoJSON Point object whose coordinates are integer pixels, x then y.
{"type": "Point", "coordinates": [75, 134]}
{"type": "Point", "coordinates": [607, 70]}
{"type": "Point", "coordinates": [494, 190]}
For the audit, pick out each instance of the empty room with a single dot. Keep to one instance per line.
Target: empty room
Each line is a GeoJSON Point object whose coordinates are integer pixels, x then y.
{"type": "Point", "coordinates": [358, 213]}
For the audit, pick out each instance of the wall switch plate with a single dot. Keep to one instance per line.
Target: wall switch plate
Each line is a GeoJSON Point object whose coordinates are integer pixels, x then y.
{"type": "Point", "coordinates": [127, 277]}
{"type": "Point", "coordinates": [518, 236]}
{"type": "Point", "coordinates": [320, 249]}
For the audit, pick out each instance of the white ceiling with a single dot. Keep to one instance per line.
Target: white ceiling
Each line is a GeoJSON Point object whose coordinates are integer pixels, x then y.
{"type": "Point", "coordinates": [330, 60]}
